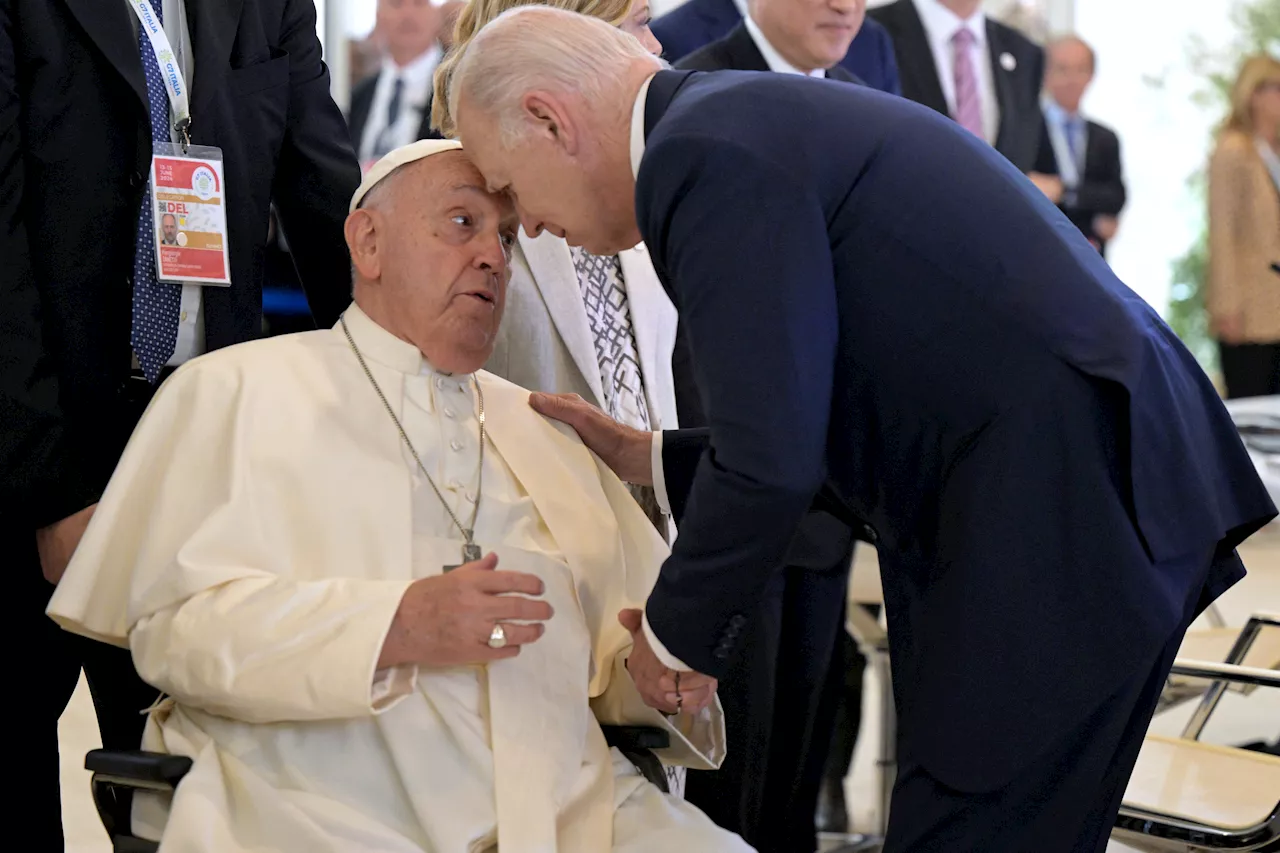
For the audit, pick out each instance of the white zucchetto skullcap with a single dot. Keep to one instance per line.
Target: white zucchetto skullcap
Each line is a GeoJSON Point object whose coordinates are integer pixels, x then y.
{"type": "Point", "coordinates": [397, 158]}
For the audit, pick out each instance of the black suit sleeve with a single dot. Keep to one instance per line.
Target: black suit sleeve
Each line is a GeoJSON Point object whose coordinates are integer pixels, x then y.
{"type": "Point", "coordinates": [758, 298]}
{"type": "Point", "coordinates": [38, 483]}
{"type": "Point", "coordinates": [317, 172]}
{"type": "Point", "coordinates": [1104, 192]}
{"type": "Point", "coordinates": [681, 450]}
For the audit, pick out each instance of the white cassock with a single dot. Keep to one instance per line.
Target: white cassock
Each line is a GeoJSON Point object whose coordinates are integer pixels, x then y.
{"type": "Point", "coordinates": [252, 550]}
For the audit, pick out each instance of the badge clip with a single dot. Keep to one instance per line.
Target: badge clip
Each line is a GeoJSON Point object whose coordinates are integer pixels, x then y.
{"type": "Point", "coordinates": [183, 127]}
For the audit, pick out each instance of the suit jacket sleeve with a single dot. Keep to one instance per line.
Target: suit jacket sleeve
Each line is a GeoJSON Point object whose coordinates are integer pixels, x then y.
{"type": "Point", "coordinates": [317, 173]}
{"type": "Point", "coordinates": [681, 450]}
{"type": "Point", "coordinates": [38, 483]}
{"type": "Point", "coordinates": [757, 296]}
{"type": "Point", "coordinates": [1105, 194]}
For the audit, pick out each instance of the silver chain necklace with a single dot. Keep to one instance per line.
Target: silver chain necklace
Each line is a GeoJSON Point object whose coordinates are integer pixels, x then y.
{"type": "Point", "coordinates": [470, 550]}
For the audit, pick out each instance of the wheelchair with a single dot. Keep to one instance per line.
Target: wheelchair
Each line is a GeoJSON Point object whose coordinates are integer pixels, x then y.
{"type": "Point", "coordinates": [117, 774]}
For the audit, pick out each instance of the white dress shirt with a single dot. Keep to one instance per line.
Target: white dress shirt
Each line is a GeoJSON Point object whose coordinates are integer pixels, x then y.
{"type": "Point", "coordinates": [668, 660]}
{"type": "Point", "coordinates": [190, 341]}
{"type": "Point", "coordinates": [771, 55]}
{"type": "Point", "coordinates": [417, 76]}
{"type": "Point", "coordinates": [941, 25]}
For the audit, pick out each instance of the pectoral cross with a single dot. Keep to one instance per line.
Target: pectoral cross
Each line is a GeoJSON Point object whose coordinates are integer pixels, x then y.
{"type": "Point", "coordinates": [470, 553]}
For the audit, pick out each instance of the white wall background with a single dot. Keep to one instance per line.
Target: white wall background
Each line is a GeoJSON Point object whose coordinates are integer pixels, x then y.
{"type": "Point", "coordinates": [1164, 135]}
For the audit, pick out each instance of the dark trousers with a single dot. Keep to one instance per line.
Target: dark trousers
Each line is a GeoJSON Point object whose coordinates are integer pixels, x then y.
{"type": "Point", "coordinates": [844, 696]}
{"type": "Point", "coordinates": [1250, 370]}
{"type": "Point", "coordinates": [1065, 800]}
{"type": "Point", "coordinates": [767, 789]}
{"type": "Point", "coordinates": [56, 658]}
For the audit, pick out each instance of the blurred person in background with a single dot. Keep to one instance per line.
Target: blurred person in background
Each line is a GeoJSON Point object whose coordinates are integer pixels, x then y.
{"type": "Point", "coordinates": [985, 75]}
{"type": "Point", "coordinates": [1243, 295]}
{"type": "Point", "coordinates": [1087, 153]}
{"type": "Point", "coordinates": [449, 11]}
{"type": "Point", "coordinates": [390, 110]}
{"type": "Point", "coordinates": [697, 23]}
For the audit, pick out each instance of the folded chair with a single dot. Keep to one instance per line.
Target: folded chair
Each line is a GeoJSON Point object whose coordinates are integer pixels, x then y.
{"type": "Point", "coordinates": [117, 774]}
{"type": "Point", "coordinates": [1256, 645]}
{"type": "Point", "coordinates": [1189, 796]}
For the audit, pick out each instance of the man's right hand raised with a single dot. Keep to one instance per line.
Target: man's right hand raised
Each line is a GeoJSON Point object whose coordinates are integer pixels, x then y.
{"type": "Point", "coordinates": [627, 451]}
{"type": "Point", "coordinates": [446, 620]}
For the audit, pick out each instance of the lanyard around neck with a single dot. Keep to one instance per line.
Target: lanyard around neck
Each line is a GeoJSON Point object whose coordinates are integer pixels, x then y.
{"type": "Point", "coordinates": [170, 73]}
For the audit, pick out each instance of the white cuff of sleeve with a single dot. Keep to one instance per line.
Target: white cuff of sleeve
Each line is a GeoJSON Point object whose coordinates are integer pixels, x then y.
{"type": "Point", "coordinates": [390, 685]}
{"type": "Point", "coordinates": [659, 479]}
{"type": "Point", "coordinates": [669, 660]}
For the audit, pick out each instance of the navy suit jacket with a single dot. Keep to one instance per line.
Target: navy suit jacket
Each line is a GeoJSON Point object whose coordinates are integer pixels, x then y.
{"type": "Point", "coordinates": [697, 23]}
{"type": "Point", "coordinates": [877, 300]}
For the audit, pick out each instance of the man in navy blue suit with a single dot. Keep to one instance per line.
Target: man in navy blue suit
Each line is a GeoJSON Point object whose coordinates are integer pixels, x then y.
{"type": "Point", "coordinates": [697, 23]}
{"type": "Point", "coordinates": [885, 315]}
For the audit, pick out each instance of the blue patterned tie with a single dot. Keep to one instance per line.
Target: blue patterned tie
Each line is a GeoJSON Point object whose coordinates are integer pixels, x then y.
{"type": "Point", "coordinates": [155, 304]}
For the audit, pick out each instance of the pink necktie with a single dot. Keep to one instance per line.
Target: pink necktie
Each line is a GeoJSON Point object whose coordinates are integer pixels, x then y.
{"type": "Point", "coordinates": [968, 102]}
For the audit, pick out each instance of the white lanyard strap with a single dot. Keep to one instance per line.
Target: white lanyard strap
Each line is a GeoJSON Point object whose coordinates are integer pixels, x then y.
{"type": "Point", "coordinates": [174, 83]}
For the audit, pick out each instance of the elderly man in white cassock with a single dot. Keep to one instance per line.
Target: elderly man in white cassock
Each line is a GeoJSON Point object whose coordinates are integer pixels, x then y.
{"type": "Point", "coordinates": [389, 604]}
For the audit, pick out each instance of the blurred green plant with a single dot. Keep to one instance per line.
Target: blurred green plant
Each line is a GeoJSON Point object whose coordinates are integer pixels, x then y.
{"type": "Point", "coordinates": [1257, 24]}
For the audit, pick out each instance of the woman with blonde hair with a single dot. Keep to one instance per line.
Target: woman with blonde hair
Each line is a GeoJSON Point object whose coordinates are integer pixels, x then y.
{"type": "Point", "coordinates": [1243, 295]}
{"type": "Point", "coordinates": [630, 16]}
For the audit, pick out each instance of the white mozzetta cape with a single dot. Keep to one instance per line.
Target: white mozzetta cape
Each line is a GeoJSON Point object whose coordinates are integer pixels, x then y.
{"type": "Point", "coordinates": [252, 549]}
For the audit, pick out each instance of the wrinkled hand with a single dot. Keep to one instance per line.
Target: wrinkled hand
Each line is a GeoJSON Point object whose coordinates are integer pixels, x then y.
{"type": "Point", "coordinates": [1105, 226]}
{"type": "Point", "coordinates": [1228, 328]}
{"type": "Point", "coordinates": [658, 685]}
{"type": "Point", "coordinates": [627, 451]}
{"type": "Point", "coordinates": [57, 543]}
{"type": "Point", "coordinates": [1050, 185]}
{"type": "Point", "coordinates": [446, 620]}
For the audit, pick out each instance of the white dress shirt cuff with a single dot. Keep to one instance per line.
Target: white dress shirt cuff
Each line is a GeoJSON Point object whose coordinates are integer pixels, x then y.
{"type": "Point", "coordinates": [659, 480]}
{"type": "Point", "coordinates": [390, 685]}
{"type": "Point", "coordinates": [668, 660]}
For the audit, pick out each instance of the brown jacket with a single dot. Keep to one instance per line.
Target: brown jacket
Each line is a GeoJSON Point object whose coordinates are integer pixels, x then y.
{"type": "Point", "coordinates": [1244, 238]}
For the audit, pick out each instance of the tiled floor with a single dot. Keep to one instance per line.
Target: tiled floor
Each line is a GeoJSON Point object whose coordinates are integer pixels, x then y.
{"type": "Point", "coordinates": [1238, 719]}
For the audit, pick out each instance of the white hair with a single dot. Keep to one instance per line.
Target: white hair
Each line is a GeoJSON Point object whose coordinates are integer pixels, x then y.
{"type": "Point", "coordinates": [538, 47]}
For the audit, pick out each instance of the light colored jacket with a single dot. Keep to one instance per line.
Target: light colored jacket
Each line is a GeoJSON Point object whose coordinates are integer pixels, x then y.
{"type": "Point", "coordinates": [1244, 238]}
{"type": "Point", "coordinates": [545, 342]}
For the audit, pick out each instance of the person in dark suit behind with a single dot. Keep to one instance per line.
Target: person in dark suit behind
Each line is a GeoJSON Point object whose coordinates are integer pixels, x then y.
{"type": "Point", "coordinates": [779, 716]}
{"type": "Point", "coordinates": [697, 23]}
{"type": "Point", "coordinates": [985, 75]}
{"type": "Point", "coordinates": [86, 328]}
{"type": "Point", "coordinates": [1055, 485]}
{"type": "Point", "coordinates": [1087, 153]}
{"type": "Point", "coordinates": [392, 108]}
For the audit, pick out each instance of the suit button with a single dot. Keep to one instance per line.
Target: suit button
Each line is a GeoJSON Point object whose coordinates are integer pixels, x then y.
{"type": "Point", "coordinates": [869, 533]}
{"type": "Point", "coordinates": [135, 180]}
{"type": "Point", "coordinates": [738, 621]}
{"type": "Point", "coordinates": [720, 653]}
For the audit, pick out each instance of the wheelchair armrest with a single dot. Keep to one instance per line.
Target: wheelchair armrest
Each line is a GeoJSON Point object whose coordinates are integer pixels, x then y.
{"type": "Point", "coordinates": [137, 769]}
{"type": "Point", "coordinates": [636, 738]}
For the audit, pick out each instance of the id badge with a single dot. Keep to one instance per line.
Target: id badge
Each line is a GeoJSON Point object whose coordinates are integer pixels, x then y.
{"type": "Point", "coordinates": [189, 200]}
